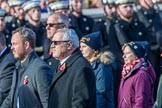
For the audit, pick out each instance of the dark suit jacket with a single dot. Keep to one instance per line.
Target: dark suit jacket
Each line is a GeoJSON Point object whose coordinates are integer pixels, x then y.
{"type": "Point", "coordinates": [7, 66]}
{"type": "Point", "coordinates": [75, 86]}
{"type": "Point", "coordinates": [33, 94]}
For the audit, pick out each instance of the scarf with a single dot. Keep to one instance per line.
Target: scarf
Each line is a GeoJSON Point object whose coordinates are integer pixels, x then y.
{"type": "Point", "coordinates": [128, 68]}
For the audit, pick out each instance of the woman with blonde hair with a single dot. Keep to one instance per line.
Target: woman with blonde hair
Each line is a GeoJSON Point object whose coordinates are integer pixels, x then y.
{"type": "Point", "coordinates": [103, 65]}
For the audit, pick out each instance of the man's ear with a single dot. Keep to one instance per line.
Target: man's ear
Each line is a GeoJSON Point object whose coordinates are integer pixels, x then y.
{"type": "Point", "coordinates": [69, 45]}
{"type": "Point", "coordinates": [26, 44]}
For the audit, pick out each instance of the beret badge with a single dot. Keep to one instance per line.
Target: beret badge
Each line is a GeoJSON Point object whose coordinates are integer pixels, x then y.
{"type": "Point", "coordinates": [84, 39]}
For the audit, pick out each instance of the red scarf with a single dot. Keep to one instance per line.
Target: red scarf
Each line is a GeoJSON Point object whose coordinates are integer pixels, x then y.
{"type": "Point", "coordinates": [127, 68]}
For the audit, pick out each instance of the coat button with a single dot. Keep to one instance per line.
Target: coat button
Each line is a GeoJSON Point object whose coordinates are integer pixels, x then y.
{"type": "Point", "coordinates": [139, 33]}
{"type": "Point", "coordinates": [136, 24]}
{"type": "Point", "coordinates": [145, 13]}
{"type": "Point", "coordinates": [50, 63]}
{"type": "Point", "coordinates": [7, 36]}
{"type": "Point", "coordinates": [13, 25]}
{"type": "Point", "coordinates": [105, 23]}
{"type": "Point", "coordinates": [100, 20]}
{"type": "Point", "coordinates": [87, 28]}
{"type": "Point", "coordinates": [150, 20]}
{"type": "Point", "coordinates": [70, 19]}
{"type": "Point", "coordinates": [84, 19]}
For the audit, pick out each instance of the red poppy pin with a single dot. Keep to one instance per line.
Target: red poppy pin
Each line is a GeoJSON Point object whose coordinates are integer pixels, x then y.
{"type": "Point", "coordinates": [88, 39]}
{"type": "Point", "coordinates": [50, 52]}
{"type": "Point", "coordinates": [63, 67]}
{"type": "Point", "coordinates": [26, 80]}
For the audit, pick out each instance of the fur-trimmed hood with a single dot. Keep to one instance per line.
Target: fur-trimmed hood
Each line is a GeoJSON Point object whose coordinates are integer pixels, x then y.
{"type": "Point", "coordinates": [105, 57]}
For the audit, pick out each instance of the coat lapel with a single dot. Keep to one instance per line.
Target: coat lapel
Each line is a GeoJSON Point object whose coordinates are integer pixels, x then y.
{"type": "Point", "coordinates": [4, 54]}
{"type": "Point", "coordinates": [68, 63]}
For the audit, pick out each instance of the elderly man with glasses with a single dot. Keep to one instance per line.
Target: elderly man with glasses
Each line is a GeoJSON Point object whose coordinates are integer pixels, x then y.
{"type": "Point", "coordinates": [55, 21]}
{"type": "Point", "coordinates": [74, 82]}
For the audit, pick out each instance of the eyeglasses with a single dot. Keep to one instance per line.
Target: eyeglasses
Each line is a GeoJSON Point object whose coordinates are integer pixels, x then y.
{"type": "Point", "coordinates": [58, 42]}
{"type": "Point", "coordinates": [52, 24]}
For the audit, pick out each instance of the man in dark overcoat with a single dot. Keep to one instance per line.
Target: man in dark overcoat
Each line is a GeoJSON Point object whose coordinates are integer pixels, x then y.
{"type": "Point", "coordinates": [73, 85]}
{"type": "Point", "coordinates": [32, 76]}
{"type": "Point", "coordinates": [7, 64]}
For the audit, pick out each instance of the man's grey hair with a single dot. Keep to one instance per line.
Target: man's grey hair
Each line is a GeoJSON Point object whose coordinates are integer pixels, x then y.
{"type": "Point", "coordinates": [63, 19]}
{"type": "Point", "coordinates": [69, 34]}
{"type": "Point", "coordinates": [27, 35]}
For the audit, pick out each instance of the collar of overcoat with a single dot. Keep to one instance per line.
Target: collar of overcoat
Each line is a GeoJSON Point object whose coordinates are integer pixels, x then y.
{"type": "Point", "coordinates": [7, 51]}
{"type": "Point", "coordinates": [75, 55]}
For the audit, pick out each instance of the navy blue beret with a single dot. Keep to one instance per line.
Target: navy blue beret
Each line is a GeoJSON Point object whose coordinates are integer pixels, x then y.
{"type": "Point", "coordinates": [140, 48]}
{"type": "Point", "coordinates": [93, 40]}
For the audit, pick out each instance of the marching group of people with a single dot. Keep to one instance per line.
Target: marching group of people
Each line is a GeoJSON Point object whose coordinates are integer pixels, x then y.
{"type": "Point", "coordinates": [74, 61]}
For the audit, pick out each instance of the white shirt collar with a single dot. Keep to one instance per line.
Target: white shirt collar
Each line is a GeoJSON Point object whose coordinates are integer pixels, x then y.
{"type": "Point", "coordinates": [61, 62]}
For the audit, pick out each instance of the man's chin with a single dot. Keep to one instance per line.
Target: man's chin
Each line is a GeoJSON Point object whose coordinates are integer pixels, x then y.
{"type": "Point", "coordinates": [129, 16]}
{"type": "Point", "coordinates": [21, 18]}
{"type": "Point", "coordinates": [49, 37]}
{"type": "Point", "coordinates": [57, 58]}
{"type": "Point", "coordinates": [17, 58]}
{"type": "Point", "coordinates": [1, 29]}
{"type": "Point", "coordinates": [37, 19]}
{"type": "Point", "coordinates": [54, 55]}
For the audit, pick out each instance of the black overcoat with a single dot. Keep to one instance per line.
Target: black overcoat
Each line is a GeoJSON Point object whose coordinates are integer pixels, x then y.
{"type": "Point", "coordinates": [74, 87]}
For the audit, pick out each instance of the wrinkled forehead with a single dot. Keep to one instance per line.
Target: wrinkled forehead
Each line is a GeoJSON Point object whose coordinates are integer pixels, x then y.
{"type": "Point", "coordinates": [16, 36]}
{"type": "Point", "coordinates": [53, 18]}
{"type": "Point", "coordinates": [58, 36]}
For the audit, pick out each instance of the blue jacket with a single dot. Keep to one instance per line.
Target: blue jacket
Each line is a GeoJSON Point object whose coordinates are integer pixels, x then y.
{"type": "Point", "coordinates": [104, 84]}
{"type": "Point", "coordinates": [7, 64]}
